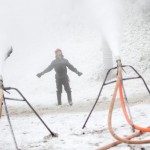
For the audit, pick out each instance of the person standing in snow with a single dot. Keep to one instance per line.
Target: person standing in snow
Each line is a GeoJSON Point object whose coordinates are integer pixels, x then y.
{"type": "Point", "coordinates": [60, 64]}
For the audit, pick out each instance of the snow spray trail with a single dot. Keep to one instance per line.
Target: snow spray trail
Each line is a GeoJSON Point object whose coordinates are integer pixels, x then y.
{"type": "Point", "coordinates": [111, 17]}
{"type": "Point", "coordinates": [107, 17]}
{"type": "Point", "coordinates": [111, 25]}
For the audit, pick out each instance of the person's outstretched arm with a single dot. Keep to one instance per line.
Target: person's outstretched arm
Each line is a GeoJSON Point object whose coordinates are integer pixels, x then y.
{"type": "Point", "coordinates": [72, 68]}
{"type": "Point", "coordinates": [48, 69]}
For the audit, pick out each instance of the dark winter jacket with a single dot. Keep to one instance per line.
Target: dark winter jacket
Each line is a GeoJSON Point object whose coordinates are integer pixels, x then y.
{"type": "Point", "coordinates": [60, 66]}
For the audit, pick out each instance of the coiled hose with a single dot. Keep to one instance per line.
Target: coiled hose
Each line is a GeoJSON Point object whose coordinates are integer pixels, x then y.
{"type": "Point", "coordinates": [141, 129]}
{"type": "Point", "coordinates": [119, 139]}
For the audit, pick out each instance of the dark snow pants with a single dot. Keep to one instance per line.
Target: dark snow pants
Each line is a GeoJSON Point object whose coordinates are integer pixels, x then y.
{"type": "Point", "coordinates": [63, 82]}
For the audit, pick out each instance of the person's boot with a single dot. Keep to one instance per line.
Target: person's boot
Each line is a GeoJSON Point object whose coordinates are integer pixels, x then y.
{"type": "Point", "coordinates": [59, 98]}
{"type": "Point", "coordinates": [69, 98]}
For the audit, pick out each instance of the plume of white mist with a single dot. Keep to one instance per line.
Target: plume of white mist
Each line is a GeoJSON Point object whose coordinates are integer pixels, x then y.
{"type": "Point", "coordinates": [111, 25]}
{"type": "Point", "coordinates": [109, 14]}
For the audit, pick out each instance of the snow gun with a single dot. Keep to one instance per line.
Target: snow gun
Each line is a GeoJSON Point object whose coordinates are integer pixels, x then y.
{"type": "Point", "coordinates": [23, 99]}
{"type": "Point", "coordinates": [119, 87]}
{"type": "Point", "coordinates": [8, 53]}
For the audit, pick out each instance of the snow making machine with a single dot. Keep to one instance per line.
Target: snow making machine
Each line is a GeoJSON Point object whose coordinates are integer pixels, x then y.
{"type": "Point", "coordinates": [119, 88]}
{"type": "Point", "coordinates": [22, 99]}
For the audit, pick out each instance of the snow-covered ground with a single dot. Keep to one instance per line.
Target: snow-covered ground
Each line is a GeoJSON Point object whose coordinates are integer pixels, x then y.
{"type": "Point", "coordinates": [35, 29]}
{"type": "Point", "coordinates": [67, 122]}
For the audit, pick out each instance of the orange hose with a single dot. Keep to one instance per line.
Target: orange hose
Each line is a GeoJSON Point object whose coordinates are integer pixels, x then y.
{"type": "Point", "coordinates": [136, 134]}
{"type": "Point", "coordinates": [122, 139]}
{"type": "Point", "coordinates": [126, 113]}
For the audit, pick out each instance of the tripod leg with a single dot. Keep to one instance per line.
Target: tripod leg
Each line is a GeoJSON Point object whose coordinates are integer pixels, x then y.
{"type": "Point", "coordinates": [10, 125]}
{"type": "Point", "coordinates": [127, 105]}
{"type": "Point", "coordinates": [142, 79]}
{"type": "Point", "coordinates": [97, 98]}
{"type": "Point", "coordinates": [52, 133]}
{"type": "Point", "coordinates": [24, 99]}
{"type": "Point", "coordinates": [145, 85]}
{"type": "Point", "coordinates": [93, 107]}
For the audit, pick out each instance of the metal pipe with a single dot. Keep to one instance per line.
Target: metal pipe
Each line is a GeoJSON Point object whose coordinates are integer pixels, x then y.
{"type": "Point", "coordinates": [127, 105]}
{"type": "Point", "coordinates": [13, 99]}
{"type": "Point", "coordinates": [141, 78]}
{"type": "Point", "coordinates": [124, 79]}
{"type": "Point", "coordinates": [10, 125]}
{"type": "Point", "coordinates": [24, 99]}
{"type": "Point", "coordinates": [97, 97]}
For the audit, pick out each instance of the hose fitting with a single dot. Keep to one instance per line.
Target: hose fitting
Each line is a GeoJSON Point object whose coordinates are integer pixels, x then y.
{"type": "Point", "coordinates": [118, 61]}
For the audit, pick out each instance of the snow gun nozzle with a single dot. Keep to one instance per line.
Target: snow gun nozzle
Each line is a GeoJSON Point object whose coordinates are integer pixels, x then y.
{"type": "Point", "coordinates": [10, 50]}
{"type": "Point", "coordinates": [118, 61]}
{"type": "Point", "coordinates": [119, 64]}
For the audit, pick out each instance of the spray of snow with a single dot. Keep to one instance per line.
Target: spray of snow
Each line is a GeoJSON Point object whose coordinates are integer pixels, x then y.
{"type": "Point", "coordinates": [107, 16]}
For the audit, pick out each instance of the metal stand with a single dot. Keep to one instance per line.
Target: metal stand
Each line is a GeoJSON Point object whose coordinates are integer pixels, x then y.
{"type": "Point", "coordinates": [6, 89]}
{"type": "Point", "coordinates": [107, 83]}
{"type": "Point", "coordinates": [10, 125]}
